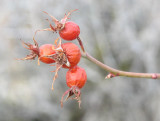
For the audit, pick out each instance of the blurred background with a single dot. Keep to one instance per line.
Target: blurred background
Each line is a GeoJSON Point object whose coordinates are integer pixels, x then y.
{"type": "Point", "coordinates": [124, 34]}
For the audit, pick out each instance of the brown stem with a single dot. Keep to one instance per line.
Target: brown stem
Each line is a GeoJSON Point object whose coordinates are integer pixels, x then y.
{"type": "Point", "coordinates": [80, 43]}
{"type": "Point", "coordinates": [118, 72]}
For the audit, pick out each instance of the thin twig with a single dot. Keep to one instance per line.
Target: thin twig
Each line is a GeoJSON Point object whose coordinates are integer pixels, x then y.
{"type": "Point", "coordinates": [119, 72]}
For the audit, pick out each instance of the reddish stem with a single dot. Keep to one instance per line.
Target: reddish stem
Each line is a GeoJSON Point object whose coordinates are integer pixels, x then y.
{"type": "Point", "coordinates": [80, 43]}
{"type": "Point", "coordinates": [119, 72]}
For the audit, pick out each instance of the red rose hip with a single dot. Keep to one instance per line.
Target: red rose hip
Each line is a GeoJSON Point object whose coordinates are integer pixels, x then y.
{"type": "Point", "coordinates": [70, 31]}
{"type": "Point", "coordinates": [46, 50]}
{"type": "Point", "coordinates": [76, 76]}
{"type": "Point", "coordinates": [66, 55]}
{"type": "Point", "coordinates": [40, 52]}
{"type": "Point", "coordinates": [72, 53]}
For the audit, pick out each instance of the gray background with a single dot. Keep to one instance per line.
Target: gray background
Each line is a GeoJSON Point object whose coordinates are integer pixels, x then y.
{"type": "Point", "coordinates": [123, 34]}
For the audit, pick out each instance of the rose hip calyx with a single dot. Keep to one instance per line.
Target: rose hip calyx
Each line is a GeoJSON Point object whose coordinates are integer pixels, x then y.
{"type": "Point", "coordinates": [34, 50]}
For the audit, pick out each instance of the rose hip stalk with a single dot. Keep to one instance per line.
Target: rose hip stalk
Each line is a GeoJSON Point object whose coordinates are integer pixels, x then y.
{"type": "Point", "coordinates": [76, 78]}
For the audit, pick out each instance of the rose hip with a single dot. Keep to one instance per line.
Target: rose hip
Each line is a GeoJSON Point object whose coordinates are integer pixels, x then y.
{"type": "Point", "coordinates": [76, 78]}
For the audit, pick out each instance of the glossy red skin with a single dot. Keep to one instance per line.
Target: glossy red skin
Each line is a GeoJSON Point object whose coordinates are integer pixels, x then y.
{"type": "Point", "coordinates": [76, 76]}
{"type": "Point", "coordinates": [70, 31]}
{"type": "Point", "coordinates": [46, 49]}
{"type": "Point", "coordinates": [73, 54]}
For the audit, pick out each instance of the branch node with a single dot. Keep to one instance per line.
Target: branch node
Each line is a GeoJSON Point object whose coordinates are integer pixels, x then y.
{"type": "Point", "coordinates": [111, 75]}
{"type": "Point", "coordinates": [154, 76]}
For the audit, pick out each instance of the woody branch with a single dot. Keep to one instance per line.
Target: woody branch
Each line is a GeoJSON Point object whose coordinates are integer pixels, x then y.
{"type": "Point", "coordinates": [115, 72]}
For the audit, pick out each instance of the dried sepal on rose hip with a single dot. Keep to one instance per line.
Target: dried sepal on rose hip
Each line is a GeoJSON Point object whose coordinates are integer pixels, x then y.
{"type": "Point", "coordinates": [34, 50]}
{"type": "Point", "coordinates": [66, 55]}
{"type": "Point", "coordinates": [68, 30]}
{"type": "Point", "coordinates": [76, 78]}
{"type": "Point", "coordinates": [40, 52]}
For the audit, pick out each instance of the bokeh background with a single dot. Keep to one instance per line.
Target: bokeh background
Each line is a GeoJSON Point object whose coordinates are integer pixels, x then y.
{"type": "Point", "coordinates": [124, 34]}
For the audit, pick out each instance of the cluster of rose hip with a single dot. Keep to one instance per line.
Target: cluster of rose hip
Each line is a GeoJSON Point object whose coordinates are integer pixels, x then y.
{"type": "Point", "coordinates": [64, 55]}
